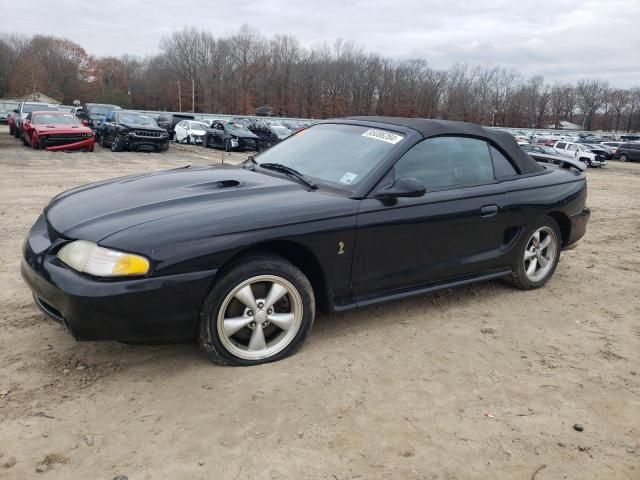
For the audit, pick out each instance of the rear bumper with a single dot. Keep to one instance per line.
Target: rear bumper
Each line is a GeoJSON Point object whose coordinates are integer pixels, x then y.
{"type": "Point", "coordinates": [578, 227]}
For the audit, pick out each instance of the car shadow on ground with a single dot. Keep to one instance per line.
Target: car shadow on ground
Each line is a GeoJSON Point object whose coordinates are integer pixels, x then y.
{"type": "Point", "coordinates": [327, 330]}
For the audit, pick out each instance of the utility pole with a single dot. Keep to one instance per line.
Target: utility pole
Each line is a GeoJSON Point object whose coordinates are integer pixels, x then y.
{"type": "Point", "coordinates": [179, 97]}
{"type": "Point", "coordinates": [193, 95]}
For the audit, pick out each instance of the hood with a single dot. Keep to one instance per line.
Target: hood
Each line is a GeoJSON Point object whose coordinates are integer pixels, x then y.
{"type": "Point", "coordinates": [61, 128]}
{"type": "Point", "coordinates": [242, 134]}
{"type": "Point", "coordinates": [233, 198]}
{"type": "Point", "coordinates": [142, 127]}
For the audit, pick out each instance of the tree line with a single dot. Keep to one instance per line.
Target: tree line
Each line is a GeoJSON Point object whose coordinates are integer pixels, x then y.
{"type": "Point", "coordinates": [197, 71]}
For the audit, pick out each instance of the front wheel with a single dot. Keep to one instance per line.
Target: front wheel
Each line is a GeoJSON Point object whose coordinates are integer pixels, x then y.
{"type": "Point", "coordinates": [260, 311]}
{"type": "Point", "coordinates": [623, 157]}
{"type": "Point", "coordinates": [117, 144]}
{"type": "Point", "coordinates": [538, 256]}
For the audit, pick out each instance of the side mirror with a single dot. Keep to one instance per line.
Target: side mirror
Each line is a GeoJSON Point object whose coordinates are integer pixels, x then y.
{"type": "Point", "coordinates": [403, 187]}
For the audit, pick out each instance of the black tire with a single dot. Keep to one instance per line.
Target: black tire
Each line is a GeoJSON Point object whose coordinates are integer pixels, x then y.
{"type": "Point", "coordinates": [117, 144]}
{"type": "Point", "coordinates": [24, 141]}
{"type": "Point", "coordinates": [240, 271]}
{"type": "Point", "coordinates": [624, 157]}
{"type": "Point", "coordinates": [227, 145]}
{"type": "Point", "coordinates": [16, 133]}
{"type": "Point", "coordinates": [518, 277]}
{"type": "Point", "coordinates": [586, 161]}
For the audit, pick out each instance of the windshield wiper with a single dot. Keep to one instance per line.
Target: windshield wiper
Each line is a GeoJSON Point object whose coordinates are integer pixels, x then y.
{"type": "Point", "coordinates": [278, 167]}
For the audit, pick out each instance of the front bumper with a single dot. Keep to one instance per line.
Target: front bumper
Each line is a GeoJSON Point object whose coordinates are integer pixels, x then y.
{"type": "Point", "coordinates": [150, 144]}
{"type": "Point", "coordinates": [86, 144]}
{"type": "Point", "coordinates": [140, 309]}
{"type": "Point", "coordinates": [578, 224]}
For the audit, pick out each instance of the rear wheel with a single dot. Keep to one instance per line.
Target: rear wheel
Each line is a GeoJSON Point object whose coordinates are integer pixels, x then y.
{"type": "Point", "coordinates": [624, 157]}
{"type": "Point", "coordinates": [538, 256]}
{"type": "Point", "coordinates": [260, 311]}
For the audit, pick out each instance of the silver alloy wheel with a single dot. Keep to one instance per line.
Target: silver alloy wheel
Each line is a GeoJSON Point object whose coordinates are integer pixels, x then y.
{"type": "Point", "coordinates": [260, 317]}
{"type": "Point", "coordinates": [540, 254]}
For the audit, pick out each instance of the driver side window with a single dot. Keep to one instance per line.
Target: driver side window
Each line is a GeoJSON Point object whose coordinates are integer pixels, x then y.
{"type": "Point", "coordinates": [442, 162]}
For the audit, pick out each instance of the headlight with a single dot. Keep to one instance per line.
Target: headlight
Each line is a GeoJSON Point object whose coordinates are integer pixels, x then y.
{"type": "Point", "coordinates": [87, 257]}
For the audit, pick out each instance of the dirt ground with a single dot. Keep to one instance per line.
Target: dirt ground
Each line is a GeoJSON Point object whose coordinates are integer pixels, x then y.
{"type": "Point", "coordinates": [482, 382]}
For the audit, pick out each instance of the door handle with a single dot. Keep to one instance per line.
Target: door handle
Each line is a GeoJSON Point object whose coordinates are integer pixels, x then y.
{"type": "Point", "coordinates": [489, 211]}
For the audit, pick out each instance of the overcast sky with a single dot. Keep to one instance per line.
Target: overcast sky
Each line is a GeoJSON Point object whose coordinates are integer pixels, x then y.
{"type": "Point", "coordinates": [560, 39]}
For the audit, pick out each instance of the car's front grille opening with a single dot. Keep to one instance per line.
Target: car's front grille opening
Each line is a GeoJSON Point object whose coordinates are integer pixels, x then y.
{"type": "Point", "coordinates": [51, 232]}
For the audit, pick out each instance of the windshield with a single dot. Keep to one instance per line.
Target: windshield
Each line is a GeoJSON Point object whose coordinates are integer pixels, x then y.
{"type": "Point", "coordinates": [548, 150]}
{"type": "Point", "coordinates": [100, 110]}
{"type": "Point", "coordinates": [36, 107]}
{"type": "Point", "coordinates": [198, 126]}
{"type": "Point", "coordinates": [137, 119]}
{"type": "Point", "coordinates": [237, 126]}
{"type": "Point", "coordinates": [55, 118]}
{"type": "Point", "coordinates": [341, 155]}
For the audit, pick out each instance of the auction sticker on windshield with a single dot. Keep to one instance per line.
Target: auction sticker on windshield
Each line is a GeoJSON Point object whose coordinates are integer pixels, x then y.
{"type": "Point", "coordinates": [383, 135]}
{"type": "Point", "coordinates": [348, 178]}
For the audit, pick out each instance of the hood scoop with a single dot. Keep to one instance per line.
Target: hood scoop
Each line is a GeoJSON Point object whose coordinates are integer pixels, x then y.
{"type": "Point", "coordinates": [215, 185]}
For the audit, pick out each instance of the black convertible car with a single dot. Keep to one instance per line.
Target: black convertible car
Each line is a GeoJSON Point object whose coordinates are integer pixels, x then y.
{"type": "Point", "coordinates": [344, 214]}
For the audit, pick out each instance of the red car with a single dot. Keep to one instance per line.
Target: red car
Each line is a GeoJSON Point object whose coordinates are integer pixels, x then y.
{"type": "Point", "coordinates": [12, 123]}
{"type": "Point", "coordinates": [56, 131]}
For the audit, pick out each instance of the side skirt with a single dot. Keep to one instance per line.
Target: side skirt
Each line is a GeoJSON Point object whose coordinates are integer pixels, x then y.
{"type": "Point", "coordinates": [383, 297]}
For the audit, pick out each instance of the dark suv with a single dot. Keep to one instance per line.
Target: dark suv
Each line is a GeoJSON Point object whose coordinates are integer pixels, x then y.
{"type": "Point", "coordinates": [126, 130]}
{"type": "Point", "coordinates": [92, 114]}
{"type": "Point", "coordinates": [628, 152]}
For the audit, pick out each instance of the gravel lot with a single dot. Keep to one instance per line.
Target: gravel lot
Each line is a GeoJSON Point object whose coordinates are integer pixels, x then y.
{"type": "Point", "coordinates": [478, 382]}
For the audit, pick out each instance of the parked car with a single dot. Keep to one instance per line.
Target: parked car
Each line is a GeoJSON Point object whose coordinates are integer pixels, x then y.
{"type": "Point", "coordinates": [168, 121]}
{"type": "Point", "coordinates": [56, 131]}
{"type": "Point", "coordinates": [537, 149]}
{"type": "Point", "coordinates": [601, 150]}
{"type": "Point", "coordinates": [612, 145]}
{"type": "Point", "coordinates": [628, 152]}
{"type": "Point", "coordinates": [351, 213]}
{"type": "Point", "coordinates": [190, 131]}
{"type": "Point", "coordinates": [6, 108]}
{"type": "Point", "coordinates": [23, 109]}
{"type": "Point", "coordinates": [280, 132]}
{"type": "Point", "coordinates": [560, 161]}
{"type": "Point", "coordinates": [581, 152]}
{"type": "Point", "coordinates": [126, 130]}
{"type": "Point", "coordinates": [11, 121]}
{"type": "Point", "coordinates": [230, 136]}
{"type": "Point", "coordinates": [92, 114]}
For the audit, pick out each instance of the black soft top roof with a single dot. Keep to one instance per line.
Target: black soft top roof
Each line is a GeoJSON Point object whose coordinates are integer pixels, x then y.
{"type": "Point", "coordinates": [431, 128]}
